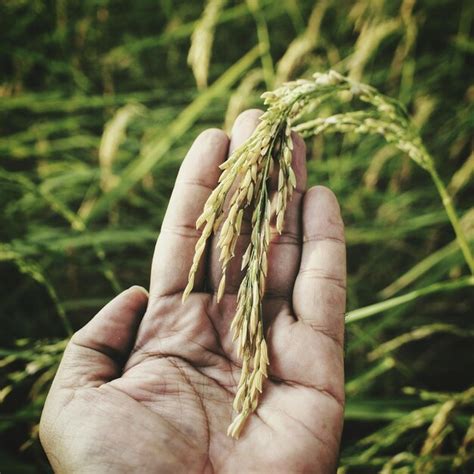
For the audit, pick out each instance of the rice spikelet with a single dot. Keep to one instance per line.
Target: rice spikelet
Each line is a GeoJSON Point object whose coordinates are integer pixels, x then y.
{"type": "Point", "coordinates": [202, 39]}
{"type": "Point", "coordinates": [244, 184]}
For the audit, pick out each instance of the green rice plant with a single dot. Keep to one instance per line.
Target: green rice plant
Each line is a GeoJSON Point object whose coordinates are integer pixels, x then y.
{"type": "Point", "coordinates": [199, 55]}
{"type": "Point", "coordinates": [158, 147]}
{"type": "Point", "coordinates": [32, 364]}
{"type": "Point", "coordinates": [63, 78]}
{"type": "Point", "coordinates": [245, 181]}
{"type": "Point", "coordinates": [439, 417]}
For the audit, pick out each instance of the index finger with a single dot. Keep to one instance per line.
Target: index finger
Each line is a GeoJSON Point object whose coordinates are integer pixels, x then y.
{"type": "Point", "coordinates": [174, 251]}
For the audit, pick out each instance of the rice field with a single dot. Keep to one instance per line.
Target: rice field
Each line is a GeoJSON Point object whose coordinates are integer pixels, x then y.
{"type": "Point", "coordinates": [99, 102]}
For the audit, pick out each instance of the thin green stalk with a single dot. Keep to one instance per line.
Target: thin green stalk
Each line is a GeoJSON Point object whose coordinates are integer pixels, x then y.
{"type": "Point", "coordinates": [34, 270]}
{"type": "Point", "coordinates": [78, 224]}
{"type": "Point", "coordinates": [138, 46]}
{"type": "Point", "coordinates": [416, 334]}
{"type": "Point", "coordinates": [421, 268]}
{"type": "Point", "coordinates": [378, 409]}
{"type": "Point", "coordinates": [59, 308]}
{"type": "Point", "coordinates": [263, 43]}
{"type": "Point", "coordinates": [362, 382]}
{"type": "Point", "coordinates": [371, 310]}
{"type": "Point", "coordinates": [451, 212]}
{"type": "Point", "coordinates": [136, 170]}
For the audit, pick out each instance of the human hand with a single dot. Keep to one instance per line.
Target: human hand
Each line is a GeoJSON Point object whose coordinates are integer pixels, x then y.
{"type": "Point", "coordinates": [147, 385]}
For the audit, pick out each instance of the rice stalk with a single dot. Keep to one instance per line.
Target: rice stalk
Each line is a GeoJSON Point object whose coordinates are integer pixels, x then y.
{"type": "Point", "coordinates": [202, 39]}
{"type": "Point", "coordinates": [415, 335]}
{"type": "Point", "coordinates": [34, 270]}
{"type": "Point", "coordinates": [371, 36]}
{"type": "Point", "coordinates": [463, 176]}
{"type": "Point", "coordinates": [377, 308]}
{"type": "Point", "coordinates": [403, 457]}
{"type": "Point", "coordinates": [465, 452]}
{"type": "Point", "coordinates": [437, 432]}
{"type": "Point", "coordinates": [424, 107]}
{"type": "Point", "coordinates": [34, 365]}
{"type": "Point", "coordinates": [157, 149]}
{"type": "Point", "coordinates": [439, 428]}
{"type": "Point", "coordinates": [255, 7]}
{"type": "Point", "coordinates": [250, 167]}
{"type": "Point", "coordinates": [47, 148]}
{"type": "Point", "coordinates": [388, 119]}
{"type": "Point", "coordinates": [428, 395]}
{"type": "Point", "coordinates": [40, 103]}
{"type": "Point", "coordinates": [446, 255]}
{"type": "Point", "coordinates": [378, 161]}
{"type": "Point", "coordinates": [239, 99]}
{"type": "Point", "coordinates": [302, 45]}
{"type": "Point", "coordinates": [436, 415]}
{"type": "Point", "coordinates": [76, 224]}
{"type": "Point", "coordinates": [401, 63]}
{"type": "Point", "coordinates": [129, 51]}
{"type": "Point", "coordinates": [113, 136]}
{"type": "Point", "coordinates": [363, 381]}
{"type": "Point", "coordinates": [244, 181]}
{"type": "Point", "coordinates": [294, 12]}
{"type": "Point", "coordinates": [388, 435]}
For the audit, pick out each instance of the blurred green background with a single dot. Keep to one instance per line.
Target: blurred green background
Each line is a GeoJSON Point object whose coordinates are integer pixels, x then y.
{"type": "Point", "coordinates": [98, 105]}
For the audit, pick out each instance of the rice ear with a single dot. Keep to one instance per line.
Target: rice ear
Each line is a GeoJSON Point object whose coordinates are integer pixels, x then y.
{"type": "Point", "coordinates": [247, 172]}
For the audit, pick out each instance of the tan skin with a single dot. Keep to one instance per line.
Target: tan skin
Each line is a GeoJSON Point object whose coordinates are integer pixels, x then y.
{"type": "Point", "coordinates": [147, 385]}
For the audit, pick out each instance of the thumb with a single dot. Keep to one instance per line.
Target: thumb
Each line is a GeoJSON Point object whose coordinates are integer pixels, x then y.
{"type": "Point", "coordinates": [97, 352]}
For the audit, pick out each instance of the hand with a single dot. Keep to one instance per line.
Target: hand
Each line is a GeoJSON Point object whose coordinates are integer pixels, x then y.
{"type": "Point", "coordinates": [147, 385]}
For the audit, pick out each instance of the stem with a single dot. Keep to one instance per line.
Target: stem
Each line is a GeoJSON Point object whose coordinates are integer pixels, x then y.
{"type": "Point", "coordinates": [451, 212]}
{"type": "Point", "coordinates": [158, 148]}
{"type": "Point", "coordinates": [78, 224]}
{"type": "Point", "coordinates": [61, 313]}
{"type": "Point", "coordinates": [263, 43]}
{"type": "Point", "coordinates": [367, 311]}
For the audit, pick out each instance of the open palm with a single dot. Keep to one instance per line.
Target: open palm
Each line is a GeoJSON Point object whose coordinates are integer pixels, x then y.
{"type": "Point", "coordinates": [147, 385]}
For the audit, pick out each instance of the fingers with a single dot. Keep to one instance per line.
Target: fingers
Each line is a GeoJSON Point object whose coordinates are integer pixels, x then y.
{"type": "Point", "coordinates": [98, 351]}
{"type": "Point", "coordinates": [319, 295]}
{"type": "Point", "coordinates": [243, 127]}
{"type": "Point", "coordinates": [197, 177]}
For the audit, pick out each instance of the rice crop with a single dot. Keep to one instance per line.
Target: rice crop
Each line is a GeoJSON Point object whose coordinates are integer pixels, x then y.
{"type": "Point", "coordinates": [98, 106]}
{"type": "Point", "coordinates": [245, 178]}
